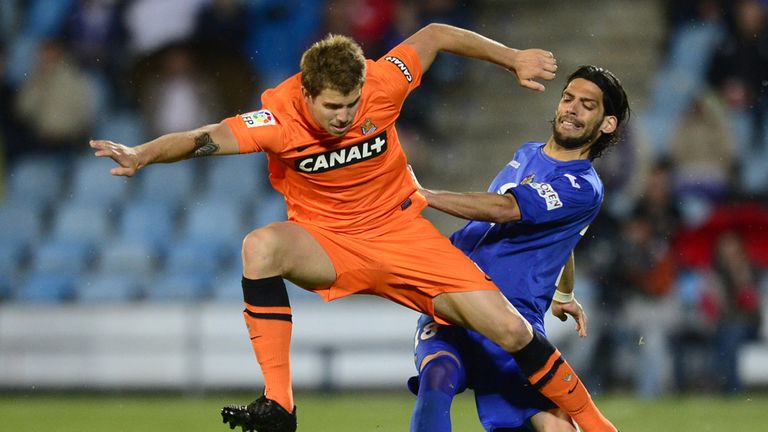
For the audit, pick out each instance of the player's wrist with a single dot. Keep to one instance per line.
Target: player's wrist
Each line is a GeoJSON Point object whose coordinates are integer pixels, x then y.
{"type": "Point", "coordinates": [562, 297]}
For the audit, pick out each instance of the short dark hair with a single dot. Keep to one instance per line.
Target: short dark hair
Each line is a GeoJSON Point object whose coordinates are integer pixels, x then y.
{"type": "Point", "coordinates": [615, 103]}
{"type": "Point", "coordinates": [335, 63]}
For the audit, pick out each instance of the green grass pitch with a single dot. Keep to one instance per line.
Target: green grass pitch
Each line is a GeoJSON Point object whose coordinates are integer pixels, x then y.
{"type": "Point", "coordinates": [347, 411]}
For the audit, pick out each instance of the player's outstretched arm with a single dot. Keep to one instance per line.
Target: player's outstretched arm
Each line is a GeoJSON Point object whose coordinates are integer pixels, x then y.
{"type": "Point", "coordinates": [216, 139]}
{"type": "Point", "coordinates": [529, 66]}
{"type": "Point", "coordinates": [482, 206]}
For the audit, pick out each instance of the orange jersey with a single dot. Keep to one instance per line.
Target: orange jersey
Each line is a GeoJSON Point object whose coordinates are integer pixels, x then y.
{"type": "Point", "coordinates": [355, 184]}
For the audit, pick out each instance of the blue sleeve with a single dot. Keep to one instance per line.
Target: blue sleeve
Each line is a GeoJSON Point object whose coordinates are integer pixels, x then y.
{"type": "Point", "coordinates": [566, 197]}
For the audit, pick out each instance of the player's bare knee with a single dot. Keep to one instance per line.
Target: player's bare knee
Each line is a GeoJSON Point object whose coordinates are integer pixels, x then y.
{"type": "Point", "coordinates": [259, 250]}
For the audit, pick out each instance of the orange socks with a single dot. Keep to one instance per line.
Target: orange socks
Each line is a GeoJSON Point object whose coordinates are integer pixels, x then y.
{"type": "Point", "coordinates": [551, 375]}
{"type": "Point", "coordinates": [268, 318]}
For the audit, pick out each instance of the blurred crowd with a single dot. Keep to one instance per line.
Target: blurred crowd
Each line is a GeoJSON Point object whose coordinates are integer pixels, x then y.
{"type": "Point", "coordinates": [676, 262]}
{"type": "Point", "coordinates": [133, 69]}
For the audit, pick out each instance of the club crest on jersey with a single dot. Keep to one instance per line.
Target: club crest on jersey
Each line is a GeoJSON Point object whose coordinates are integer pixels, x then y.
{"type": "Point", "coordinates": [342, 157]}
{"type": "Point", "coordinates": [528, 179]}
{"type": "Point", "coordinates": [367, 127]}
{"type": "Point", "coordinates": [549, 195]}
{"type": "Point", "coordinates": [400, 65]}
{"type": "Point", "coordinates": [258, 118]}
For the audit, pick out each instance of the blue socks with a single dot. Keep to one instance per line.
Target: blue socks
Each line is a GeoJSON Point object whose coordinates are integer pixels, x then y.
{"type": "Point", "coordinates": [438, 383]}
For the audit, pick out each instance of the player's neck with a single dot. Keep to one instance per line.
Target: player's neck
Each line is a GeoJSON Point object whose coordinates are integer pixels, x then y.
{"type": "Point", "coordinates": [560, 153]}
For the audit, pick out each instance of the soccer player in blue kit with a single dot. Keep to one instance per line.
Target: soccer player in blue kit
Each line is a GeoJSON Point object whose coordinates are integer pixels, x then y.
{"type": "Point", "coordinates": [522, 233]}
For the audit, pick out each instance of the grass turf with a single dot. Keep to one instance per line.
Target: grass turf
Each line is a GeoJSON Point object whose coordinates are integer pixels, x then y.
{"type": "Point", "coordinates": [382, 412]}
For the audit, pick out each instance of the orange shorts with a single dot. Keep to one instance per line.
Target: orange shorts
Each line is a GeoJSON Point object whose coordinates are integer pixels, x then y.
{"type": "Point", "coordinates": [409, 265]}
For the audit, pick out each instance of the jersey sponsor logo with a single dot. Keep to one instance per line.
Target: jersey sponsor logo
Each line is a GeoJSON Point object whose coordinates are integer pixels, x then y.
{"type": "Point", "coordinates": [367, 127]}
{"type": "Point", "coordinates": [342, 157]}
{"type": "Point", "coordinates": [400, 65]}
{"type": "Point", "coordinates": [514, 164]}
{"type": "Point", "coordinates": [258, 118]}
{"type": "Point", "coordinates": [546, 191]}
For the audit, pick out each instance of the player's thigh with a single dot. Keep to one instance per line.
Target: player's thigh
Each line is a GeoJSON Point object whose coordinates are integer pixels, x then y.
{"type": "Point", "coordinates": [287, 249]}
{"type": "Point", "coordinates": [488, 313]}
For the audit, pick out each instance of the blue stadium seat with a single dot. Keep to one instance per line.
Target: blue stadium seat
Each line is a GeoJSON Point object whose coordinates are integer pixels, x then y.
{"type": "Point", "coordinates": [148, 222]}
{"type": "Point", "coordinates": [179, 287]}
{"type": "Point", "coordinates": [6, 285]}
{"type": "Point", "coordinates": [36, 181]}
{"type": "Point", "coordinates": [226, 286]}
{"type": "Point", "coordinates": [93, 184]}
{"type": "Point", "coordinates": [217, 226]}
{"type": "Point", "coordinates": [89, 224]}
{"type": "Point", "coordinates": [45, 288]}
{"type": "Point", "coordinates": [171, 184]}
{"type": "Point", "coordinates": [62, 257]}
{"type": "Point", "coordinates": [108, 288]}
{"type": "Point", "coordinates": [241, 178]}
{"type": "Point", "coordinates": [12, 257]}
{"type": "Point", "coordinates": [20, 223]}
{"type": "Point", "coordinates": [130, 257]}
{"type": "Point", "coordinates": [193, 258]}
{"type": "Point", "coordinates": [21, 227]}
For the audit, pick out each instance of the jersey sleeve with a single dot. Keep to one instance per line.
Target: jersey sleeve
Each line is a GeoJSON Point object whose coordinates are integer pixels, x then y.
{"type": "Point", "coordinates": [563, 198]}
{"type": "Point", "coordinates": [400, 72]}
{"type": "Point", "coordinates": [255, 131]}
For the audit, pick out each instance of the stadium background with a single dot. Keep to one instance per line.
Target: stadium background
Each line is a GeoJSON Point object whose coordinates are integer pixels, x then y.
{"type": "Point", "coordinates": [111, 285]}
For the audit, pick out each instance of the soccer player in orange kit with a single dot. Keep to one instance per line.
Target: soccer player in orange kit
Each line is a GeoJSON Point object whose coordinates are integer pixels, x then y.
{"type": "Point", "coordinates": [354, 215]}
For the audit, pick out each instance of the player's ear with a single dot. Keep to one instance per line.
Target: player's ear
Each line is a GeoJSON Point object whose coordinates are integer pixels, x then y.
{"type": "Point", "coordinates": [609, 124]}
{"type": "Point", "coordinates": [306, 95]}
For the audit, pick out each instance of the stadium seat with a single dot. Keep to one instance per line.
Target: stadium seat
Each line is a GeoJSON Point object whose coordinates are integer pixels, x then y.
{"type": "Point", "coordinates": [182, 287]}
{"type": "Point", "coordinates": [217, 226]}
{"type": "Point", "coordinates": [45, 288]}
{"type": "Point", "coordinates": [89, 224]}
{"type": "Point", "coordinates": [171, 184]}
{"type": "Point", "coordinates": [193, 258]}
{"type": "Point", "coordinates": [62, 257]}
{"type": "Point", "coordinates": [12, 256]}
{"type": "Point", "coordinates": [36, 181]}
{"type": "Point", "coordinates": [21, 227]}
{"type": "Point", "coordinates": [93, 184]}
{"type": "Point", "coordinates": [241, 178]}
{"type": "Point", "coordinates": [226, 285]}
{"type": "Point", "coordinates": [129, 257]}
{"type": "Point", "coordinates": [108, 288]}
{"type": "Point", "coordinates": [147, 222]}
{"type": "Point", "coordinates": [20, 223]}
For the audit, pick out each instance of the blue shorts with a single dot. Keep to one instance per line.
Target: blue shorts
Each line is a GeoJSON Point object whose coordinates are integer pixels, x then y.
{"type": "Point", "coordinates": [504, 397]}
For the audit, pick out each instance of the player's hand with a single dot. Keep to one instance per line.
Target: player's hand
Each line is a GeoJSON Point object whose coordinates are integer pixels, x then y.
{"type": "Point", "coordinates": [126, 158]}
{"type": "Point", "coordinates": [415, 180]}
{"type": "Point", "coordinates": [531, 65]}
{"type": "Point", "coordinates": [574, 309]}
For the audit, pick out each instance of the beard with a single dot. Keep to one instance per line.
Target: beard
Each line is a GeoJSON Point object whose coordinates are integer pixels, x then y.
{"type": "Point", "coordinates": [571, 143]}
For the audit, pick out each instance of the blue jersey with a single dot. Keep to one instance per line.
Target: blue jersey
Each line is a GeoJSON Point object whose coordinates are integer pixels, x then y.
{"type": "Point", "coordinates": [558, 200]}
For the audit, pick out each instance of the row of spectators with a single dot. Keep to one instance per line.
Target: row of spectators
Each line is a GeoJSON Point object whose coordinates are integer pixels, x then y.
{"type": "Point", "coordinates": [677, 258]}
{"type": "Point", "coordinates": [129, 70]}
